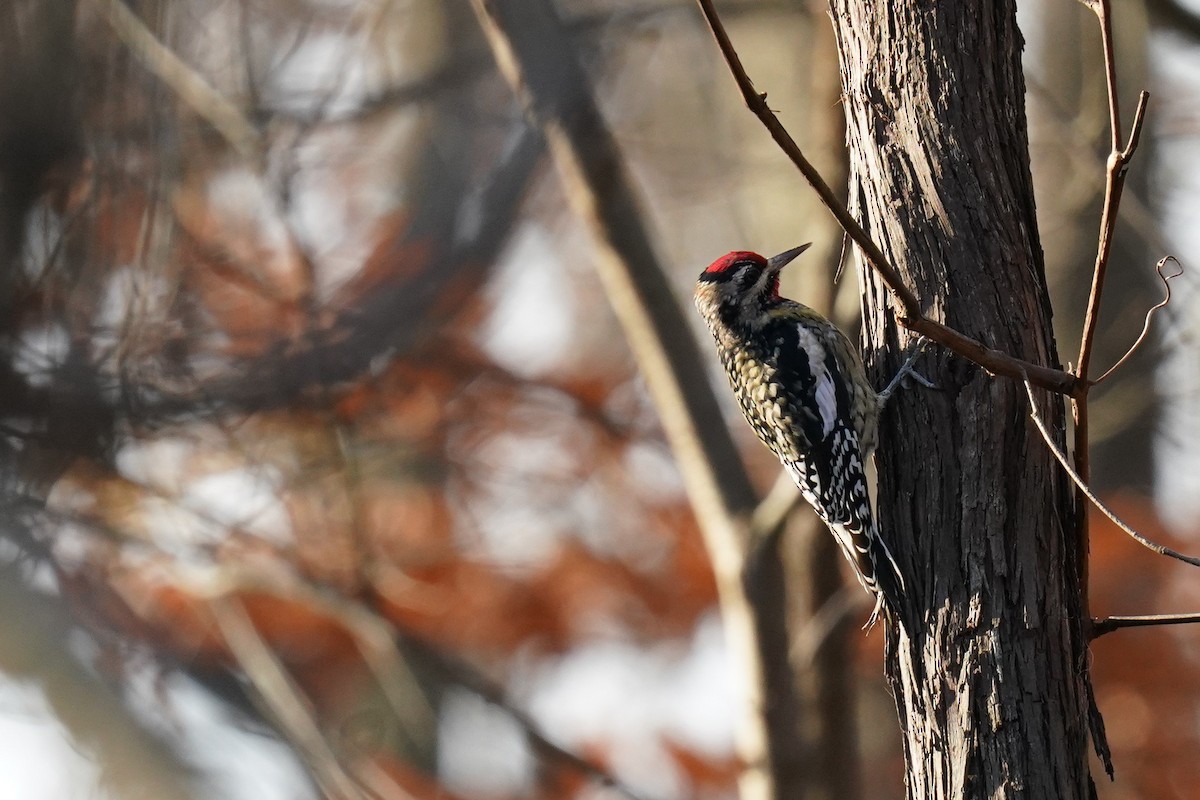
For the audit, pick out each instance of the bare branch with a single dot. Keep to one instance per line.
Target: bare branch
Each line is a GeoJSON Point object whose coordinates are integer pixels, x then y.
{"type": "Point", "coordinates": [911, 314]}
{"type": "Point", "coordinates": [374, 637]}
{"type": "Point", "coordinates": [1086, 490]}
{"type": "Point", "coordinates": [1165, 279]}
{"type": "Point", "coordinates": [1114, 184]}
{"type": "Point", "coordinates": [536, 59]}
{"type": "Point", "coordinates": [191, 87]}
{"type": "Point", "coordinates": [820, 628]}
{"type": "Point", "coordinates": [774, 509]}
{"type": "Point", "coordinates": [1118, 164]}
{"type": "Point", "coordinates": [1139, 119]}
{"type": "Point", "coordinates": [469, 678]}
{"type": "Point", "coordinates": [1103, 11]}
{"type": "Point", "coordinates": [282, 699]}
{"type": "Point", "coordinates": [1073, 144]}
{"type": "Point", "coordinates": [1109, 624]}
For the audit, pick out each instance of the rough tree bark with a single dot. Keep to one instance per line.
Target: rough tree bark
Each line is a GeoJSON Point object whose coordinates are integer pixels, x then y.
{"type": "Point", "coordinates": [993, 690]}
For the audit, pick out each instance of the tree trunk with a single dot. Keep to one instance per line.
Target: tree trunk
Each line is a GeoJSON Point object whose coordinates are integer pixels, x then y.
{"type": "Point", "coordinates": [993, 690]}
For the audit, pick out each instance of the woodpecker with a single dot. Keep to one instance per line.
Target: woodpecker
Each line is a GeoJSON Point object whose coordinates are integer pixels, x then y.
{"type": "Point", "coordinates": [803, 388]}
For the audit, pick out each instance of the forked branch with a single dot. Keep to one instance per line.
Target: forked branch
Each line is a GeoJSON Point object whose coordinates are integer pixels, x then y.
{"type": "Point", "coordinates": [1114, 185]}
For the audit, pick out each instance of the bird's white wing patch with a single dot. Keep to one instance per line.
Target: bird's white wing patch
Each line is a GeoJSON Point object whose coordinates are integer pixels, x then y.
{"type": "Point", "coordinates": [826, 399]}
{"type": "Point", "coordinates": [823, 390]}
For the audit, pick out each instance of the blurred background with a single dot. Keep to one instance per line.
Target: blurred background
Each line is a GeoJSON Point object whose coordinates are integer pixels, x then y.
{"type": "Point", "coordinates": [326, 467]}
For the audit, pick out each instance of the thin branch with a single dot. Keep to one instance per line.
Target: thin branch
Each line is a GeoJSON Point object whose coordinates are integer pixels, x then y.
{"type": "Point", "coordinates": [469, 678]}
{"type": "Point", "coordinates": [1109, 624]}
{"type": "Point", "coordinates": [282, 699]}
{"type": "Point", "coordinates": [911, 314]}
{"type": "Point", "coordinates": [820, 628]}
{"type": "Point", "coordinates": [1135, 133]}
{"type": "Point", "coordinates": [1118, 165]}
{"type": "Point", "coordinates": [1095, 720]}
{"type": "Point", "coordinates": [773, 510]}
{"type": "Point", "coordinates": [1103, 12]}
{"type": "Point", "coordinates": [191, 87]}
{"type": "Point", "coordinates": [537, 60]}
{"type": "Point", "coordinates": [1165, 279]}
{"type": "Point", "coordinates": [1086, 490]}
{"type": "Point", "coordinates": [375, 638]}
{"type": "Point", "coordinates": [1114, 184]}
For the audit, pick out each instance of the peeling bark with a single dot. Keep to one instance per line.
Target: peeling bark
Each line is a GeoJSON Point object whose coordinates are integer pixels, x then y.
{"type": "Point", "coordinates": [993, 690]}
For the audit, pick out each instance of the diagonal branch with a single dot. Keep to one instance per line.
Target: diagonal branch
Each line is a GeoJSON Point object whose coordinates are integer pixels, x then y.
{"type": "Point", "coordinates": [375, 639]}
{"type": "Point", "coordinates": [466, 676]}
{"type": "Point", "coordinates": [1118, 166]}
{"type": "Point", "coordinates": [191, 87]}
{"type": "Point", "coordinates": [911, 314]}
{"type": "Point", "coordinates": [282, 700]}
{"type": "Point", "coordinates": [1087, 491]}
{"type": "Point", "coordinates": [538, 62]}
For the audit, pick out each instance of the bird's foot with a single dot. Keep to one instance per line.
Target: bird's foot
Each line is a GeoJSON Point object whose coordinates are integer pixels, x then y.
{"type": "Point", "coordinates": [907, 371]}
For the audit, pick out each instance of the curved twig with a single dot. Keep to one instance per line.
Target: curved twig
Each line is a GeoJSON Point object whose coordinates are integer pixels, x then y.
{"type": "Point", "coordinates": [1166, 279]}
{"type": "Point", "coordinates": [1162, 550]}
{"type": "Point", "coordinates": [910, 313]}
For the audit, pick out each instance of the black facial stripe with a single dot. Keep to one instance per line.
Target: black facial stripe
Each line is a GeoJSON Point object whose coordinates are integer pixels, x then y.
{"type": "Point", "coordinates": [738, 268]}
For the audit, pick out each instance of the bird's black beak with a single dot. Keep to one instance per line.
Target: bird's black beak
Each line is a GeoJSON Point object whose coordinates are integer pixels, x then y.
{"type": "Point", "coordinates": [776, 263]}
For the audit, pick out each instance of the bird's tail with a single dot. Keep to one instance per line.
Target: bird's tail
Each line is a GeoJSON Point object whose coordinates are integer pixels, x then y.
{"type": "Point", "coordinates": [874, 567]}
{"type": "Point", "coordinates": [887, 584]}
